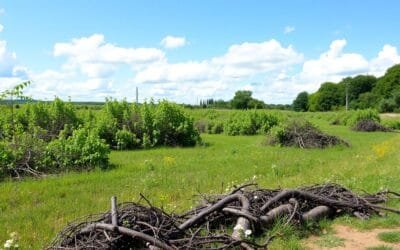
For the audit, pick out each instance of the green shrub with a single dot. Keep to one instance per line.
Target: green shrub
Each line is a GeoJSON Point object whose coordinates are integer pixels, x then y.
{"type": "Point", "coordinates": [82, 150]}
{"type": "Point", "coordinates": [23, 155]}
{"type": "Point", "coordinates": [250, 123]}
{"type": "Point", "coordinates": [126, 140]}
{"type": "Point", "coordinates": [173, 127]}
{"type": "Point", "coordinates": [392, 124]}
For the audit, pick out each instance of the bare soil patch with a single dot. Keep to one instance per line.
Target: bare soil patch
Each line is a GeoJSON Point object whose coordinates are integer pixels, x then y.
{"type": "Point", "coordinates": [354, 239]}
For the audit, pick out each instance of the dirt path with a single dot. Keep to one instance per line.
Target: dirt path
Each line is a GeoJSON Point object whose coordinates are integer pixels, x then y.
{"type": "Point", "coordinates": [354, 239]}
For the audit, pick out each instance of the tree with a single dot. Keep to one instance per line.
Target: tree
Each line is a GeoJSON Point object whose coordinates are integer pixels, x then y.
{"type": "Point", "coordinates": [241, 99]}
{"type": "Point", "coordinates": [301, 102]}
{"type": "Point", "coordinates": [330, 96]}
{"type": "Point", "coordinates": [388, 83]}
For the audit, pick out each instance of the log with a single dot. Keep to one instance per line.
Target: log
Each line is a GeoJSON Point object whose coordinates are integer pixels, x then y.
{"type": "Point", "coordinates": [126, 231]}
{"type": "Point", "coordinates": [114, 212]}
{"type": "Point", "coordinates": [317, 213]}
{"type": "Point", "coordinates": [275, 213]}
{"type": "Point", "coordinates": [219, 205]}
{"type": "Point", "coordinates": [308, 196]}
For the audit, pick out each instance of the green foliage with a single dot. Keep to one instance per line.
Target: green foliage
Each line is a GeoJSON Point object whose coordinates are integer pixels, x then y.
{"type": "Point", "coordinates": [82, 150]}
{"type": "Point", "coordinates": [301, 102]}
{"type": "Point", "coordinates": [389, 83]}
{"type": "Point", "coordinates": [243, 100]}
{"type": "Point", "coordinates": [391, 237]}
{"type": "Point", "coordinates": [128, 126]}
{"type": "Point", "coordinates": [364, 91]}
{"type": "Point", "coordinates": [173, 127]}
{"type": "Point", "coordinates": [330, 97]}
{"type": "Point", "coordinates": [359, 85]}
{"type": "Point", "coordinates": [126, 140]}
{"type": "Point", "coordinates": [387, 105]}
{"type": "Point", "coordinates": [250, 122]}
{"type": "Point", "coordinates": [363, 114]}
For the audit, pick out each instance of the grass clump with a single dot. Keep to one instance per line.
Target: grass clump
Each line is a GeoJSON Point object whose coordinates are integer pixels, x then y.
{"type": "Point", "coordinates": [390, 237]}
{"type": "Point", "coordinates": [330, 241]}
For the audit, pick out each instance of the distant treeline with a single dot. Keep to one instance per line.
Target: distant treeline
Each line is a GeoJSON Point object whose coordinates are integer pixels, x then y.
{"type": "Point", "coordinates": [242, 100]}
{"type": "Point", "coordinates": [361, 92]}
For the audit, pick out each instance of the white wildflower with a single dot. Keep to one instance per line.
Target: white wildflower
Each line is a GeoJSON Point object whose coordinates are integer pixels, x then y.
{"type": "Point", "coordinates": [255, 197]}
{"type": "Point", "coordinates": [247, 233]}
{"type": "Point", "coordinates": [7, 244]}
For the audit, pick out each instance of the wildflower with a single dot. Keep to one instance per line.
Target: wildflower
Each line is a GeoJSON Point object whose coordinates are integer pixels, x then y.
{"type": "Point", "coordinates": [247, 233]}
{"type": "Point", "coordinates": [8, 244]}
{"type": "Point", "coordinates": [255, 197]}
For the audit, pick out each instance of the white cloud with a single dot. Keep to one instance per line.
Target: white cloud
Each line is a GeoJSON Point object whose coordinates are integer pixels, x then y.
{"type": "Point", "coordinates": [178, 72]}
{"type": "Point", "coordinates": [387, 57]}
{"type": "Point", "coordinates": [334, 64]}
{"type": "Point", "coordinates": [171, 42]}
{"type": "Point", "coordinates": [289, 29]}
{"type": "Point", "coordinates": [8, 62]}
{"type": "Point", "coordinates": [95, 58]}
{"type": "Point", "coordinates": [252, 58]}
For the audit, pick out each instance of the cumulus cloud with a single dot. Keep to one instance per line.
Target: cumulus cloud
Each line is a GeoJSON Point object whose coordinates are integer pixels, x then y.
{"type": "Point", "coordinates": [334, 64]}
{"type": "Point", "coordinates": [251, 58]}
{"type": "Point", "coordinates": [238, 62]}
{"type": "Point", "coordinates": [96, 58]}
{"type": "Point", "coordinates": [8, 63]}
{"type": "Point", "coordinates": [387, 57]}
{"type": "Point", "coordinates": [289, 29]}
{"type": "Point", "coordinates": [171, 42]}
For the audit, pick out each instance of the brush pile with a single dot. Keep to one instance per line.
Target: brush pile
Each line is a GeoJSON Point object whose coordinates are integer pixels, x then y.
{"type": "Point", "coordinates": [221, 221]}
{"type": "Point", "coordinates": [303, 134]}
{"type": "Point", "coordinates": [368, 125]}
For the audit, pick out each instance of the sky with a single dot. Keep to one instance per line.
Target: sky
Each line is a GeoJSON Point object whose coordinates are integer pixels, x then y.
{"type": "Point", "coordinates": [185, 51]}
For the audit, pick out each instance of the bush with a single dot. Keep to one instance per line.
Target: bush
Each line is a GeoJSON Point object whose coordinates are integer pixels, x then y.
{"type": "Point", "coordinates": [23, 155]}
{"type": "Point", "coordinates": [173, 127]}
{"type": "Point", "coordinates": [126, 140]}
{"type": "Point", "coordinates": [250, 123]}
{"type": "Point", "coordinates": [392, 124]}
{"type": "Point", "coordinates": [82, 150]}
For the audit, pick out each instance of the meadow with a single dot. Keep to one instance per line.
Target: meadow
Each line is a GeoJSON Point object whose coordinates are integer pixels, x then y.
{"type": "Point", "coordinates": [172, 177]}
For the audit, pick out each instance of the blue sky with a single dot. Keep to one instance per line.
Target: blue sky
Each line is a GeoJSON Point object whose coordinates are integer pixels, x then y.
{"type": "Point", "coordinates": [189, 50]}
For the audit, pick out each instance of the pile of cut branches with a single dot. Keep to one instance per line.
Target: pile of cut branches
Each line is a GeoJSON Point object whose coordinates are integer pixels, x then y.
{"type": "Point", "coordinates": [303, 134]}
{"type": "Point", "coordinates": [220, 222]}
{"type": "Point", "coordinates": [369, 125]}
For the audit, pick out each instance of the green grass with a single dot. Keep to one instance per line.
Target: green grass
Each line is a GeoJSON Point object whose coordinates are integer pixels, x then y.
{"type": "Point", "coordinates": [380, 248]}
{"type": "Point", "coordinates": [330, 241]}
{"type": "Point", "coordinates": [171, 178]}
{"type": "Point", "coordinates": [390, 237]}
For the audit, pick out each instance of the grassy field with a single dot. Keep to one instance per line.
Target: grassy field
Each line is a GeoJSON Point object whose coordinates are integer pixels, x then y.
{"type": "Point", "coordinates": [171, 177]}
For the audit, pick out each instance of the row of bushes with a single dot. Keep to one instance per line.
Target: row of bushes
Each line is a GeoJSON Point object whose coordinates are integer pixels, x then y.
{"type": "Point", "coordinates": [53, 136]}
{"type": "Point", "coordinates": [248, 122]}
